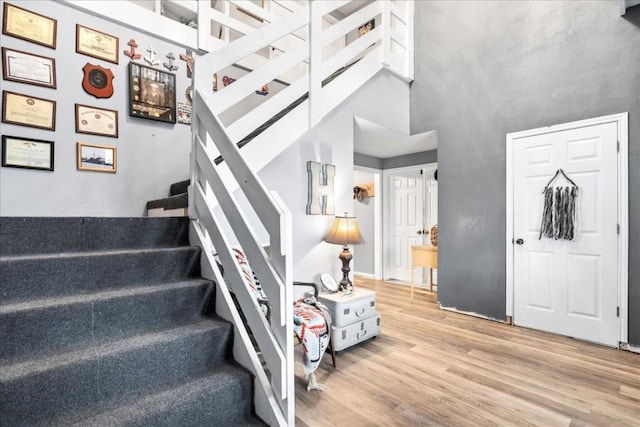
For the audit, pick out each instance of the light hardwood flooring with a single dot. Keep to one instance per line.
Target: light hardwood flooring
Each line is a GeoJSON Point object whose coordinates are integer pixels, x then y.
{"type": "Point", "coordinates": [431, 367]}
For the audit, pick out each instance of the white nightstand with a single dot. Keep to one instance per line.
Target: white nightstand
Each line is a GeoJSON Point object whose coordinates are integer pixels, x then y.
{"type": "Point", "coordinates": [353, 315]}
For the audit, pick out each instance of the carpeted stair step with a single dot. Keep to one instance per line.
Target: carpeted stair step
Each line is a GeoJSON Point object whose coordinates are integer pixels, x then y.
{"type": "Point", "coordinates": [116, 373]}
{"type": "Point", "coordinates": [219, 399]}
{"type": "Point", "coordinates": [45, 326]}
{"type": "Point", "coordinates": [52, 275]}
{"type": "Point", "coordinates": [172, 202]}
{"type": "Point", "coordinates": [39, 235]}
{"type": "Point", "coordinates": [179, 187]}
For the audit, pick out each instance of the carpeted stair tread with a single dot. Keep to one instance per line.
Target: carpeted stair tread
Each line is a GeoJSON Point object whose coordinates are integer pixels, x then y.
{"type": "Point", "coordinates": [24, 277]}
{"type": "Point", "coordinates": [171, 202]}
{"type": "Point", "coordinates": [208, 400]}
{"type": "Point", "coordinates": [84, 319]}
{"type": "Point", "coordinates": [35, 235]}
{"type": "Point", "coordinates": [110, 374]}
{"type": "Point", "coordinates": [179, 187]}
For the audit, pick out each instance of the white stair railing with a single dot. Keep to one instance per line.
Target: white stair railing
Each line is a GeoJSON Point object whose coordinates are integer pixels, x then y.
{"type": "Point", "coordinates": [331, 60]}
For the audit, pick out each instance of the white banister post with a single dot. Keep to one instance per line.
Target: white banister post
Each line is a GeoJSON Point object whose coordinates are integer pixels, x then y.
{"type": "Point", "coordinates": [386, 32]}
{"type": "Point", "coordinates": [315, 62]}
{"type": "Point", "coordinates": [409, 11]}
{"type": "Point", "coordinates": [225, 31]}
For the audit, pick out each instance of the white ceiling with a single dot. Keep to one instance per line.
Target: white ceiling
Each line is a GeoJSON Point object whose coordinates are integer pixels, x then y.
{"type": "Point", "coordinates": [377, 141]}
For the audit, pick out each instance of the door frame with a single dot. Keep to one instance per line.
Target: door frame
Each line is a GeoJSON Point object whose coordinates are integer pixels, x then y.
{"type": "Point", "coordinates": [622, 122]}
{"type": "Point", "coordinates": [377, 220]}
{"type": "Point", "coordinates": [386, 205]}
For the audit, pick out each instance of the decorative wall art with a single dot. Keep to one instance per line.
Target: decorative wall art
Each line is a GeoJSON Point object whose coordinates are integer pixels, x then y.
{"type": "Point", "coordinates": [97, 44]}
{"type": "Point", "coordinates": [97, 81]}
{"type": "Point", "coordinates": [559, 211]}
{"type": "Point", "coordinates": [151, 57]}
{"type": "Point", "coordinates": [131, 53]}
{"type": "Point", "coordinates": [169, 65]}
{"type": "Point", "coordinates": [23, 67]}
{"type": "Point", "coordinates": [152, 93]}
{"type": "Point", "coordinates": [184, 113]}
{"type": "Point", "coordinates": [18, 152]}
{"type": "Point", "coordinates": [364, 29]}
{"type": "Point", "coordinates": [96, 121]}
{"type": "Point", "coordinates": [28, 111]}
{"type": "Point", "coordinates": [188, 58]}
{"type": "Point", "coordinates": [361, 191]}
{"type": "Point", "coordinates": [99, 158]}
{"type": "Point", "coordinates": [321, 179]}
{"type": "Point", "coordinates": [30, 26]}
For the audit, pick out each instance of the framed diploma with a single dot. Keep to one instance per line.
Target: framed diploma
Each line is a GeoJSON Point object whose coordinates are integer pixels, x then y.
{"type": "Point", "coordinates": [18, 152]}
{"type": "Point", "coordinates": [100, 158]}
{"type": "Point", "coordinates": [29, 111]}
{"type": "Point", "coordinates": [30, 26]}
{"type": "Point", "coordinates": [96, 121]}
{"type": "Point", "coordinates": [28, 68]}
{"type": "Point", "coordinates": [96, 44]}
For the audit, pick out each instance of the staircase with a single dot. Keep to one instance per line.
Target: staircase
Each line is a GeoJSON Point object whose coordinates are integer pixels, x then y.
{"type": "Point", "coordinates": [177, 204]}
{"type": "Point", "coordinates": [106, 321]}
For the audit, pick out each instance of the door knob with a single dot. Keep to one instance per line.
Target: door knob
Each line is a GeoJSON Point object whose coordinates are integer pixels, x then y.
{"type": "Point", "coordinates": [519, 242]}
{"type": "Point", "coordinates": [419, 232]}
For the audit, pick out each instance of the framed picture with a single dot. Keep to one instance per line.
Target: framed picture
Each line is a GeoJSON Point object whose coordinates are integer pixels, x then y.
{"type": "Point", "coordinates": [96, 121]}
{"type": "Point", "coordinates": [30, 26]}
{"type": "Point", "coordinates": [101, 158]}
{"type": "Point", "coordinates": [29, 111]}
{"type": "Point", "coordinates": [152, 93]}
{"type": "Point", "coordinates": [28, 68]}
{"type": "Point", "coordinates": [18, 152]}
{"type": "Point", "coordinates": [97, 44]}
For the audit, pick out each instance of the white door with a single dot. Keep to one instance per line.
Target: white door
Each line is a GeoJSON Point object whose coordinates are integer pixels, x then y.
{"type": "Point", "coordinates": [561, 286]}
{"type": "Point", "coordinates": [406, 223]}
{"type": "Point", "coordinates": [413, 210]}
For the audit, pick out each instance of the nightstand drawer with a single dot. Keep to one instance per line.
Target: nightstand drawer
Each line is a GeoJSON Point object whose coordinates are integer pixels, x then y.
{"type": "Point", "coordinates": [347, 309]}
{"type": "Point", "coordinates": [355, 333]}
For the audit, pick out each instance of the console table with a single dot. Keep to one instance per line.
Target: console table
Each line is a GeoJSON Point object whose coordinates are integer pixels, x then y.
{"type": "Point", "coordinates": [424, 256]}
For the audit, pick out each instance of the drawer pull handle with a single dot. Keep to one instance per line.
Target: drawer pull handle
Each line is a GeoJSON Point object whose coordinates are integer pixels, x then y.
{"type": "Point", "coordinates": [362, 334]}
{"type": "Point", "coordinates": [360, 311]}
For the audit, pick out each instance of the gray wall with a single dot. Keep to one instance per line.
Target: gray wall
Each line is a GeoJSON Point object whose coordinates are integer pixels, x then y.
{"type": "Point", "coordinates": [420, 158]}
{"type": "Point", "coordinates": [145, 148]}
{"type": "Point", "coordinates": [484, 69]}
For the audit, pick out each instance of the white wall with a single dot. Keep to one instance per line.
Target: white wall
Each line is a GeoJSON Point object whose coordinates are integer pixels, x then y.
{"type": "Point", "coordinates": [332, 142]}
{"type": "Point", "coordinates": [365, 212]}
{"type": "Point", "coordinates": [151, 154]}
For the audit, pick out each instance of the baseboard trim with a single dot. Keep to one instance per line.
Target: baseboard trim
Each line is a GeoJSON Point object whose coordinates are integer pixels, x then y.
{"type": "Point", "coordinates": [473, 314]}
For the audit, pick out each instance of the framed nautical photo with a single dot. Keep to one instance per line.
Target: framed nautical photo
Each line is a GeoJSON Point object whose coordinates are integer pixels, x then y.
{"type": "Point", "coordinates": [96, 121]}
{"type": "Point", "coordinates": [96, 44]}
{"type": "Point", "coordinates": [27, 153]}
{"type": "Point", "coordinates": [23, 67]}
{"type": "Point", "coordinates": [152, 93]}
{"type": "Point", "coordinates": [29, 111]}
{"type": "Point", "coordinates": [30, 26]}
{"type": "Point", "coordinates": [99, 158]}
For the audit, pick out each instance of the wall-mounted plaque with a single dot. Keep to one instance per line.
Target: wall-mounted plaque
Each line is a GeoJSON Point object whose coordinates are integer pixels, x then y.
{"type": "Point", "coordinates": [97, 81]}
{"type": "Point", "coordinates": [18, 152]}
{"type": "Point", "coordinates": [30, 26]}
{"type": "Point", "coordinates": [96, 44]}
{"type": "Point", "coordinates": [29, 111]}
{"type": "Point", "coordinates": [28, 68]}
{"type": "Point", "coordinates": [152, 93]}
{"type": "Point", "coordinates": [96, 121]}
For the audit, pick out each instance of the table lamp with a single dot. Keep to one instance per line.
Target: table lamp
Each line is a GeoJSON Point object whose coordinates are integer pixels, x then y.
{"type": "Point", "coordinates": [345, 231]}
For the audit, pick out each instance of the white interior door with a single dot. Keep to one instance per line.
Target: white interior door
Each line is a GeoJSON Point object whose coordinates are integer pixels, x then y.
{"type": "Point", "coordinates": [561, 286]}
{"type": "Point", "coordinates": [406, 223]}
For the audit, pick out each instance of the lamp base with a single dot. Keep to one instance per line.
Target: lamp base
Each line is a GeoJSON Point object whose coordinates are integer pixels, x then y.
{"type": "Point", "coordinates": [346, 257]}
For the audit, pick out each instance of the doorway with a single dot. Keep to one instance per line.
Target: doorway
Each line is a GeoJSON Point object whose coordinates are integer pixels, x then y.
{"type": "Point", "coordinates": [410, 210]}
{"type": "Point", "coordinates": [570, 285]}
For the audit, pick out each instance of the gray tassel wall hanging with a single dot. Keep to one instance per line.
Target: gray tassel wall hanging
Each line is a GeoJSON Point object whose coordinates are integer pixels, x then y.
{"type": "Point", "coordinates": [559, 210]}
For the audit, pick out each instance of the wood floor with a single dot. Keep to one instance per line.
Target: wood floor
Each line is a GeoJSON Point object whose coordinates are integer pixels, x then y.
{"type": "Point", "coordinates": [437, 368]}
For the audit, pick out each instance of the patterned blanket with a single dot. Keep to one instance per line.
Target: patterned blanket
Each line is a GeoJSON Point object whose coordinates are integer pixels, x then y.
{"type": "Point", "coordinates": [311, 324]}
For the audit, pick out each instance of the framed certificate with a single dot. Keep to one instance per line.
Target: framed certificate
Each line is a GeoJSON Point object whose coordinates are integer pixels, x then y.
{"type": "Point", "coordinates": [100, 158]}
{"type": "Point", "coordinates": [96, 44]}
{"type": "Point", "coordinates": [18, 152]}
{"type": "Point", "coordinates": [28, 68]}
{"type": "Point", "coordinates": [29, 111]}
{"type": "Point", "coordinates": [96, 121]}
{"type": "Point", "coordinates": [30, 26]}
